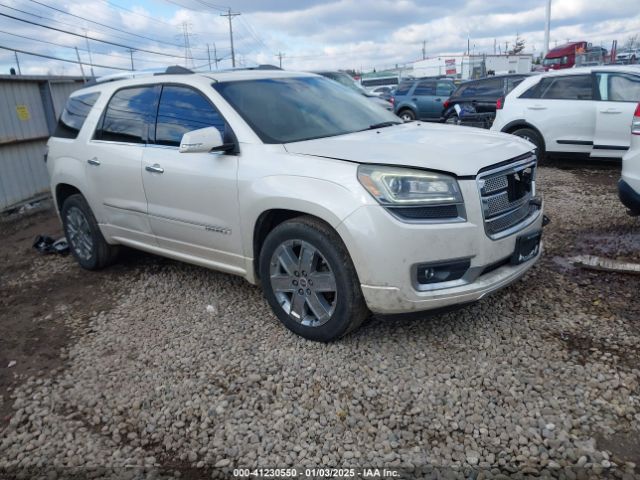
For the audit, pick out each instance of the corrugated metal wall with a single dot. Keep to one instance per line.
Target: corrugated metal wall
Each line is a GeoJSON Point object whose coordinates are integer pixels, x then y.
{"type": "Point", "coordinates": [29, 108]}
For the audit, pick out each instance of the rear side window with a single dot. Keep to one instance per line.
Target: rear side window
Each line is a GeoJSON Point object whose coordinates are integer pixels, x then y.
{"type": "Point", "coordinates": [403, 88]}
{"type": "Point", "coordinates": [182, 110]}
{"type": "Point", "coordinates": [513, 82]}
{"type": "Point", "coordinates": [425, 88]}
{"type": "Point", "coordinates": [619, 87]}
{"type": "Point", "coordinates": [574, 87]}
{"type": "Point", "coordinates": [128, 115]}
{"type": "Point", "coordinates": [444, 89]}
{"type": "Point", "coordinates": [74, 114]}
{"type": "Point", "coordinates": [490, 88]}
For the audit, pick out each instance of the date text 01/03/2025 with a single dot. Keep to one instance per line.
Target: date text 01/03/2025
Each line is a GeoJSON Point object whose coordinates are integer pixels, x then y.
{"type": "Point", "coordinates": [314, 473]}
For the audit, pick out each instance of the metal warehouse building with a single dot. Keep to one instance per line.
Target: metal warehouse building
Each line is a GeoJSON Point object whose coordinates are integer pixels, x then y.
{"type": "Point", "coordinates": [29, 109]}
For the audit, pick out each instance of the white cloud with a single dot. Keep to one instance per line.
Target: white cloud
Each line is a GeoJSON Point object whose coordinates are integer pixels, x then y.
{"type": "Point", "coordinates": [313, 34]}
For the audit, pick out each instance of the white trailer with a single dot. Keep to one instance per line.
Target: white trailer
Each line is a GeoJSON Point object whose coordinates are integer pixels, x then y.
{"type": "Point", "coordinates": [472, 66]}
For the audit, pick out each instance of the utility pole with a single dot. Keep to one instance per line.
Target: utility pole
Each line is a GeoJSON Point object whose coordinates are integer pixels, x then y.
{"type": "Point", "coordinates": [131, 54]}
{"type": "Point", "coordinates": [187, 46]}
{"type": "Point", "coordinates": [89, 50]}
{"type": "Point", "coordinates": [280, 55]}
{"type": "Point", "coordinates": [230, 16]}
{"type": "Point", "coordinates": [209, 56]}
{"type": "Point", "coordinates": [80, 63]}
{"type": "Point", "coordinates": [494, 46]}
{"type": "Point", "coordinates": [547, 26]}
{"type": "Point", "coordinates": [424, 49]}
{"type": "Point", "coordinates": [17, 63]}
{"type": "Point", "coordinates": [215, 55]}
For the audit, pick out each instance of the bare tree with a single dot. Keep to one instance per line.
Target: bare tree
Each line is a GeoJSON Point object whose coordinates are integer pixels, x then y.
{"type": "Point", "coordinates": [632, 41]}
{"type": "Point", "coordinates": [518, 45]}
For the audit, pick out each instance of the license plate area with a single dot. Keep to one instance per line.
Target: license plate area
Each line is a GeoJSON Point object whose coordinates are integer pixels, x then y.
{"type": "Point", "coordinates": [527, 247]}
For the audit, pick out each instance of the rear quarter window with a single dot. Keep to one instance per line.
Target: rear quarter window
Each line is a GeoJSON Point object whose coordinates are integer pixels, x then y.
{"type": "Point", "coordinates": [74, 115]}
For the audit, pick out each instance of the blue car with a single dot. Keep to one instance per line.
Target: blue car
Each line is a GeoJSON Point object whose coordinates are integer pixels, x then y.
{"type": "Point", "coordinates": [422, 99]}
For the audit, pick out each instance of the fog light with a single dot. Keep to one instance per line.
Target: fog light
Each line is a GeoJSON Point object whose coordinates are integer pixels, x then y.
{"type": "Point", "coordinates": [441, 272]}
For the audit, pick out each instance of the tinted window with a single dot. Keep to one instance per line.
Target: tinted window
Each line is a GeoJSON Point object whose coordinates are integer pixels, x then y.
{"type": "Point", "coordinates": [182, 110]}
{"type": "Point", "coordinates": [574, 87]}
{"type": "Point", "coordinates": [128, 115]}
{"type": "Point", "coordinates": [444, 89]}
{"type": "Point", "coordinates": [490, 88]}
{"type": "Point", "coordinates": [618, 87]}
{"type": "Point", "coordinates": [403, 88]}
{"type": "Point", "coordinates": [74, 114]}
{"type": "Point", "coordinates": [426, 87]}
{"type": "Point", "coordinates": [282, 110]}
{"type": "Point", "coordinates": [513, 82]}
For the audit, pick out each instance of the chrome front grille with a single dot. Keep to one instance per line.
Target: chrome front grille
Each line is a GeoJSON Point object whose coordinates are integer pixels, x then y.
{"type": "Point", "coordinates": [506, 191]}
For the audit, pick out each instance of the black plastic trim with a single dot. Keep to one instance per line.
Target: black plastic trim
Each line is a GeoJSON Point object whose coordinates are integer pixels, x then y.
{"type": "Point", "coordinates": [574, 142]}
{"type": "Point", "coordinates": [628, 196]}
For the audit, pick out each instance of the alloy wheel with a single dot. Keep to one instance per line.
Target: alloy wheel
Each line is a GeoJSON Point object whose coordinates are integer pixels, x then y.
{"type": "Point", "coordinates": [79, 233]}
{"type": "Point", "coordinates": [303, 283]}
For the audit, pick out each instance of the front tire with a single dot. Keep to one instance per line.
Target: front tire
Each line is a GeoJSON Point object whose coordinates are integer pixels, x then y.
{"type": "Point", "coordinates": [86, 242]}
{"type": "Point", "coordinates": [533, 137]}
{"type": "Point", "coordinates": [309, 280]}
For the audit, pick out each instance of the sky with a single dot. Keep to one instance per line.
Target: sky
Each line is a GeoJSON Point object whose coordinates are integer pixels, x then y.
{"type": "Point", "coordinates": [310, 34]}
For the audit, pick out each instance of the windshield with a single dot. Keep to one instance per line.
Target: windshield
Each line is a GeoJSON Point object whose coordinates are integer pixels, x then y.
{"type": "Point", "coordinates": [554, 61]}
{"type": "Point", "coordinates": [283, 110]}
{"type": "Point", "coordinates": [344, 79]}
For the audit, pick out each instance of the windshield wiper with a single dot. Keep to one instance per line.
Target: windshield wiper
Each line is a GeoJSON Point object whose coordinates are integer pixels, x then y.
{"type": "Point", "coordinates": [382, 125]}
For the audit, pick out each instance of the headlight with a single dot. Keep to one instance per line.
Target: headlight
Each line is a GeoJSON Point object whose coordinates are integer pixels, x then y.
{"type": "Point", "coordinates": [393, 186]}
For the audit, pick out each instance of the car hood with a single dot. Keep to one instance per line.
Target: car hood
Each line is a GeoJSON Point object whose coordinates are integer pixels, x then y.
{"type": "Point", "coordinates": [459, 150]}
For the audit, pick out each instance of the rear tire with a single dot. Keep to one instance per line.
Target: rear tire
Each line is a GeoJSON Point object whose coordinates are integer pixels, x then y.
{"type": "Point", "coordinates": [452, 119]}
{"type": "Point", "coordinates": [533, 137]}
{"type": "Point", "coordinates": [407, 115]}
{"type": "Point", "coordinates": [298, 253]}
{"type": "Point", "coordinates": [86, 242]}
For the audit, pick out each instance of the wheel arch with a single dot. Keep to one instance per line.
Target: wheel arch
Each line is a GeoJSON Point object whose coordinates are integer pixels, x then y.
{"type": "Point", "coordinates": [518, 124]}
{"type": "Point", "coordinates": [64, 191]}
{"type": "Point", "coordinates": [270, 219]}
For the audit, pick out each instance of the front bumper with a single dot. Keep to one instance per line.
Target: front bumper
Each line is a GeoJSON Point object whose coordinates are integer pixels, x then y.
{"type": "Point", "coordinates": [385, 250]}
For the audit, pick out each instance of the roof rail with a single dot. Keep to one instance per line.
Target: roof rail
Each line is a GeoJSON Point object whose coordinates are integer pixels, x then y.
{"type": "Point", "coordinates": [172, 70]}
{"type": "Point", "coordinates": [257, 67]}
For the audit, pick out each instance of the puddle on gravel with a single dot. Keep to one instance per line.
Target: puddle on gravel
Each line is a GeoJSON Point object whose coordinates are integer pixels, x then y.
{"type": "Point", "coordinates": [609, 244]}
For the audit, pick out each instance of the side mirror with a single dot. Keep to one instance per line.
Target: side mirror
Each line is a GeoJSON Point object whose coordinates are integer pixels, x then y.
{"type": "Point", "coordinates": [203, 140]}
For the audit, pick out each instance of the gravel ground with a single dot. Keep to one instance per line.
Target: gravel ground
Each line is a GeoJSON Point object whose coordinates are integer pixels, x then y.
{"type": "Point", "coordinates": [539, 379]}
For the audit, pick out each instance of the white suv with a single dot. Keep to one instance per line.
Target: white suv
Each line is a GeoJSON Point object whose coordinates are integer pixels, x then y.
{"type": "Point", "coordinates": [579, 111]}
{"type": "Point", "coordinates": [629, 184]}
{"type": "Point", "coordinates": [294, 182]}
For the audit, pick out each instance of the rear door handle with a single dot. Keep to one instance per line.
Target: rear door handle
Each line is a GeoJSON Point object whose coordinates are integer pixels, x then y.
{"type": "Point", "coordinates": [94, 161]}
{"type": "Point", "coordinates": [537, 107]}
{"type": "Point", "coordinates": [155, 168]}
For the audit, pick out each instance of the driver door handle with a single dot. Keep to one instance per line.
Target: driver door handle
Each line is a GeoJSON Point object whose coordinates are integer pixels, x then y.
{"type": "Point", "coordinates": [611, 110]}
{"type": "Point", "coordinates": [155, 168]}
{"type": "Point", "coordinates": [94, 161]}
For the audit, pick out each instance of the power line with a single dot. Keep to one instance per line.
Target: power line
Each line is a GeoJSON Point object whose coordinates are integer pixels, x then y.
{"type": "Point", "coordinates": [60, 22]}
{"type": "Point", "coordinates": [111, 54]}
{"type": "Point", "coordinates": [120, 7]}
{"type": "Point", "coordinates": [93, 38]}
{"type": "Point", "coordinates": [104, 25]}
{"type": "Point", "coordinates": [51, 57]}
